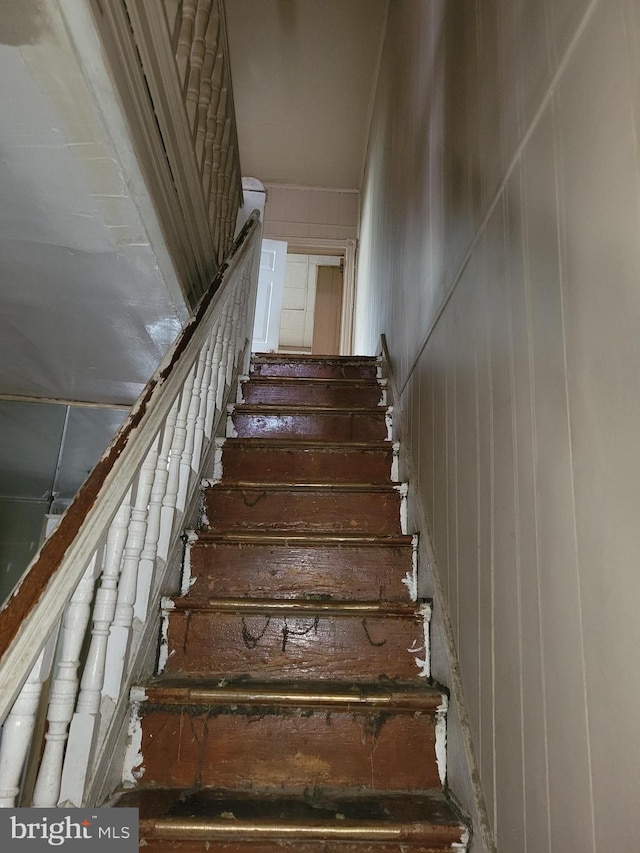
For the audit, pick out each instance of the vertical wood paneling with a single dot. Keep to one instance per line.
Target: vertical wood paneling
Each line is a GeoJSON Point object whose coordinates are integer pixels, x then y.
{"type": "Point", "coordinates": [484, 581]}
{"type": "Point", "coordinates": [451, 485]}
{"type": "Point", "coordinates": [528, 402]}
{"type": "Point", "coordinates": [467, 485]}
{"type": "Point", "coordinates": [508, 700]}
{"type": "Point", "coordinates": [534, 729]}
{"type": "Point", "coordinates": [601, 314]}
{"type": "Point", "coordinates": [559, 591]}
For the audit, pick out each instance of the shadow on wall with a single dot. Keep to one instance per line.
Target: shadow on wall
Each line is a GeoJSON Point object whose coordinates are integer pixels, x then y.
{"type": "Point", "coordinates": [46, 453]}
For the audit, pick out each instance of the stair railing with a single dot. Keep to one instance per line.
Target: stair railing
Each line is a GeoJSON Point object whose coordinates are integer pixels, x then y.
{"type": "Point", "coordinates": [78, 627]}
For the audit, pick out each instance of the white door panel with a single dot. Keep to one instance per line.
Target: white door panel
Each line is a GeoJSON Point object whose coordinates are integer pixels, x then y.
{"type": "Point", "coordinates": [266, 326]}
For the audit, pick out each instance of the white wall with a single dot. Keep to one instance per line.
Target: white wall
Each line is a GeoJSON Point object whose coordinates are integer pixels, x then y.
{"type": "Point", "coordinates": [500, 253]}
{"type": "Point", "coordinates": [315, 213]}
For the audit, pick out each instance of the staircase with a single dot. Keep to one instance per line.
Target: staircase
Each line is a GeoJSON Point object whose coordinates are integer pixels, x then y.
{"type": "Point", "coordinates": [292, 709]}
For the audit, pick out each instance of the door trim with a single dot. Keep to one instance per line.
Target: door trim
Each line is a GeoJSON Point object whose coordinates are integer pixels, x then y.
{"type": "Point", "coordinates": [348, 248]}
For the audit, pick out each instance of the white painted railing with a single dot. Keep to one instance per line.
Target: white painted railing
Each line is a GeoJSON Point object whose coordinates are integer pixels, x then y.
{"type": "Point", "coordinates": [72, 633]}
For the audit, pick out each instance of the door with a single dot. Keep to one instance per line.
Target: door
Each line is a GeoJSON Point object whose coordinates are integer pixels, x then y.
{"type": "Point", "coordinates": [328, 311]}
{"type": "Point", "coordinates": [266, 326]}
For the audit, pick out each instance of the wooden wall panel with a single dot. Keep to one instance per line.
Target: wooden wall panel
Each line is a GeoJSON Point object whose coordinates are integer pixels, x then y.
{"type": "Point", "coordinates": [505, 140]}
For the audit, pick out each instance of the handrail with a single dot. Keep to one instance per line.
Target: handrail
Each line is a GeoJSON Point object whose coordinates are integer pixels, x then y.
{"type": "Point", "coordinates": [120, 527]}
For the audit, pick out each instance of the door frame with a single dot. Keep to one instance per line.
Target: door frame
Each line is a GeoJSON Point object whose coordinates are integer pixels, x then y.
{"type": "Point", "coordinates": [347, 248]}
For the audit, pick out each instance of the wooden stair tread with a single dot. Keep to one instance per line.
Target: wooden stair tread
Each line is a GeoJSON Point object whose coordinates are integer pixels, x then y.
{"type": "Point", "coordinates": [422, 817]}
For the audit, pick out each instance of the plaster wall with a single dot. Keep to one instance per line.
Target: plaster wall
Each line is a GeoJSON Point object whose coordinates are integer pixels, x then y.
{"type": "Point", "coordinates": [311, 212]}
{"type": "Point", "coordinates": [500, 255]}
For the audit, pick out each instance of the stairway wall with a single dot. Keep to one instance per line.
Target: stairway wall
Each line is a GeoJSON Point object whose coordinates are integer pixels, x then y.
{"type": "Point", "coordinates": [500, 255]}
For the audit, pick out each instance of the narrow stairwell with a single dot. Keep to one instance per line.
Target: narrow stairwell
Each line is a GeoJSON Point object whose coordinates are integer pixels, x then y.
{"type": "Point", "coordinates": [292, 709]}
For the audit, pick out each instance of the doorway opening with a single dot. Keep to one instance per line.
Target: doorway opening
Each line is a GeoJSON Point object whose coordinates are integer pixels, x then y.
{"type": "Point", "coordinates": [306, 294]}
{"type": "Point", "coordinates": [311, 304]}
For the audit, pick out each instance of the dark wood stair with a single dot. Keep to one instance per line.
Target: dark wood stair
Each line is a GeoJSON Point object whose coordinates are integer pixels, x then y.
{"type": "Point", "coordinates": [292, 708]}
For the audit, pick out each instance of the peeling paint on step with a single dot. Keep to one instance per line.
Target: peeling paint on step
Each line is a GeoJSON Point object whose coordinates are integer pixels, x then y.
{"type": "Point", "coordinates": [395, 462]}
{"type": "Point", "coordinates": [383, 392]}
{"type": "Point", "coordinates": [133, 768]}
{"type": "Point", "coordinates": [231, 427]}
{"type": "Point", "coordinates": [187, 579]}
{"type": "Point", "coordinates": [219, 443]}
{"type": "Point", "coordinates": [403, 489]}
{"type": "Point", "coordinates": [441, 739]}
{"type": "Point", "coordinates": [240, 395]}
{"type": "Point", "coordinates": [463, 845]}
{"type": "Point", "coordinates": [388, 419]}
{"type": "Point", "coordinates": [163, 655]}
{"type": "Point", "coordinates": [410, 580]}
{"type": "Point", "coordinates": [137, 695]}
{"type": "Point", "coordinates": [423, 664]}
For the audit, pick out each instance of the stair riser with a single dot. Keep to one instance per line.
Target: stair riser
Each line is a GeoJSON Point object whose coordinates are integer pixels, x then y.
{"type": "Point", "coordinates": [192, 747]}
{"type": "Point", "coordinates": [278, 647]}
{"type": "Point", "coordinates": [325, 426]}
{"type": "Point", "coordinates": [312, 395]}
{"type": "Point", "coordinates": [293, 511]}
{"type": "Point", "coordinates": [309, 369]}
{"type": "Point", "coordinates": [306, 465]}
{"type": "Point", "coordinates": [285, 571]}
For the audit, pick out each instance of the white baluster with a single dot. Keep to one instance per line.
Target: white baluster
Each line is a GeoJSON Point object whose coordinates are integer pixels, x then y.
{"type": "Point", "coordinates": [212, 392]}
{"type": "Point", "coordinates": [206, 89]}
{"type": "Point", "coordinates": [211, 143]}
{"type": "Point", "coordinates": [119, 644]}
{"type": "Point", "coordinates": [226, 321]}
{"type": "Point", "coordinates": [17, 730]}
{"type": "Point", "coordinates": [85, 725]}
{"type": "Point", "coordinates": [170, 500]}
{"type": "Point", "coordinates": [235, 323]}
{"type": "Point", "coordinates": [148, 557]}
{"type": "Point", "coordinates": [243, 341]}
{"type": "Point", "coordinates": [185, 37]}
{"type": "Point", "coordinates": [192, 416]}
{"type": "Point", "coordinates": [241, 329]}
{"type": "Point", "coordinates": [64, 689]}
{"type": "Point", "coordinates": [201, 420]}
{"type": "Point", "coordinates": [150, 554]}
{"type": "Point", "coordinates": [196, 60]}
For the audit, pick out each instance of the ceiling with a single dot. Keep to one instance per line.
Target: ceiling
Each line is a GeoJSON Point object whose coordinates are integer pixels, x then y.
{"type": "Point", "coordinates": [304, 73]}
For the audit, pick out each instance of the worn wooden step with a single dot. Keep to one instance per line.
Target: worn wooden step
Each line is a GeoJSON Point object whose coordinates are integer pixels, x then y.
{"type": "Point", "coordinates": [296, 461]}
{"type": "Point", "coordinates": [278, 566]}
{"type": "Point", "coordinates": [287, 741]}
{"type": "Point", "coordinates": [308, 508]}
{"type": "Point", "coordinates": [317, 822]}
{"type": "Point", "coordinates": [296, 639]}
{"type": "Point", "coordinates": [308, 422]}
{"type": "Point", "coordinates": [320, 367]}
{"type": "Point", "coordinates": [364, 393]}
